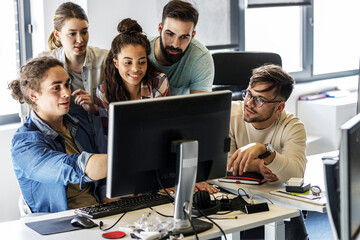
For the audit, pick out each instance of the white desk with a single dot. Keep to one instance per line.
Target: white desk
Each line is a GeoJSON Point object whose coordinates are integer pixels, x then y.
{"type": "Point", "coordinates": [314, 174]}
{"type": "Point", "coordinates": [273, 220]}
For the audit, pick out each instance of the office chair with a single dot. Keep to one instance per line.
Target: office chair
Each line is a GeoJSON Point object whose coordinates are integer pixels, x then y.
{"type": "Point", "coordinates": [234, 69]}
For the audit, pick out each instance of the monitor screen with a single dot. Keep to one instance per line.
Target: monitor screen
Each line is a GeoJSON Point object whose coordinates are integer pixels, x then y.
{"type": "Point", "coordinates": [350, 179]}
{"type": "Point", "coordinates": [141, 133]}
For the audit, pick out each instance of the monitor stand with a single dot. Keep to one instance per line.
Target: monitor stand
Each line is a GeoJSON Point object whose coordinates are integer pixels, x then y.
{"type": "Point", "coordinates": [186, 169]}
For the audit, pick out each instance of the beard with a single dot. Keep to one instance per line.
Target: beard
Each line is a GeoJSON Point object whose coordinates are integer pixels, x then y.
{"type": "Point", "coordinates": [260, 118]}
{"type": "Point", "coordinates": [171, 58]}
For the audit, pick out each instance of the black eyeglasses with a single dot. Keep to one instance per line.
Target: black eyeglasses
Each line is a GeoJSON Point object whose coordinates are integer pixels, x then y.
{"type": "Point", "coordinates": [257, 101]}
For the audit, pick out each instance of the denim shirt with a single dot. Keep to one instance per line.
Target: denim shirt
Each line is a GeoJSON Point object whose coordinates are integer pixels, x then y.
{"type": "Point", "coordinates": [43, 168]}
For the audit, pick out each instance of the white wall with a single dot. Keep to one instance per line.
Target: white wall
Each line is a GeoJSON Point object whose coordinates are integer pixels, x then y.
{"type": "Point", "coordinates": [10, 191]}
{"type": "Point", "coordinates": [103, 16]}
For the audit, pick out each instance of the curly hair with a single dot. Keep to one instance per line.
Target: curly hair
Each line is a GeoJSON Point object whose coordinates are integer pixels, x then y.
{"type": "Point", "coordinates": [130, 33]}
{"type": "Point", "coordinates": [31, 75]}
{"type": "Point", "coordinates": [64, 12]}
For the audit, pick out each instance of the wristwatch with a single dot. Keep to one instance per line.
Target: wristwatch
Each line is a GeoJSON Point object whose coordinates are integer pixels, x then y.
{"type": "Point", "coordinates": [269, 151]}
{"type": "Point", "coordinates": [315, 190]}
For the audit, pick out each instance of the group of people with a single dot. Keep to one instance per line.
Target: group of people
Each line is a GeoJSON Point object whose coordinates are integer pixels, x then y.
{"type": "Point", "coordinates": [59, 153]}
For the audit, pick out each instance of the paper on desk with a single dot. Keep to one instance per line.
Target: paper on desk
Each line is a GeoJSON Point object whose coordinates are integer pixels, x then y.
{"type": "Point", "coordinates": [310, 198]}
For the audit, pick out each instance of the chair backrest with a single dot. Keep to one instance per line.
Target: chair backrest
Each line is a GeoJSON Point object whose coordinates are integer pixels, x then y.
{"type": "Point", "coordinates": [234, 69]}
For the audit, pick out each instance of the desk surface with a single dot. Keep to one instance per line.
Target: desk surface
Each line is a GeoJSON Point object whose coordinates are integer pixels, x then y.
{"type": "Point", "coordinates": [314, 174]}
{"type": "Point", "coordinates": [17, 230]}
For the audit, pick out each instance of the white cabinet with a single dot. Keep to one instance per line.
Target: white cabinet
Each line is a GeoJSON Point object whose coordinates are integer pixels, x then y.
{"type": "Point", "coordinates": [323, 118]}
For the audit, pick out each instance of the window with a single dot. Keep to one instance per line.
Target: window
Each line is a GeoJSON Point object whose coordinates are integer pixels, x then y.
{"type": "Point", "coordinates": [14, 49]}
{"type": "Point", "coordinates": [316, 39]}
{"type": "Point", "coordinates": [336, 36]}
{"type": "Point", "coordinates": [9, 58]}
{"type": "Point", "coordinates": [215, 28]}
{"type": "Point", "coordinates": [276, 29]}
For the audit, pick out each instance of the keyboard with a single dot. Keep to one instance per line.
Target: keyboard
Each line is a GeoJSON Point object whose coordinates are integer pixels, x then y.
{"type": "Point", "coordinates": [125, 204]}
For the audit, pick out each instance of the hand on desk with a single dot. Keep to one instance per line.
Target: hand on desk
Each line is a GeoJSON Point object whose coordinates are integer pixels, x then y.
{"type": "Point", "coordinates": [245, 159]}
{"type": "Point", "coordinates": [267, 173]}
{"type": "Point", "coordinates": [204, 186]}
{"type": "Point", "coordinates": [200, 186]}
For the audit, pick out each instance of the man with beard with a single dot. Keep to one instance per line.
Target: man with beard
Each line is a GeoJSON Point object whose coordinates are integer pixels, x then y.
{"type": "Point", "coordinates": [267, 139]}
{"type": "Point", "coordinates": [187, 63]}
{"type": "Point", "coordinates": [264, 137]}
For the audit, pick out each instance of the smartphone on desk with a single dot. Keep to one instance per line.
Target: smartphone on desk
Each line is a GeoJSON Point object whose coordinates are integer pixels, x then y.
{"type": "Point", "coordinates": [253, 178]}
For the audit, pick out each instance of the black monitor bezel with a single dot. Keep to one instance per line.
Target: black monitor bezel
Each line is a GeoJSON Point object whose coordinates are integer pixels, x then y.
{"type": "Point", "coordinates": [347, 156]}
{"type": "Point", "coordinates": [223, 100]}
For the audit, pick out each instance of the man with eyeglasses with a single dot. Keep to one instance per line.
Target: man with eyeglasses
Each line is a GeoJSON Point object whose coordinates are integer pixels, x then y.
{"type": "Point", "coordinates": [264, 137]}
{"type": "Point", "coordinates": [267, 139]}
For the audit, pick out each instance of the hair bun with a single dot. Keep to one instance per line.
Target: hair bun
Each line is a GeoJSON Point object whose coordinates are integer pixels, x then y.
{"type": "Point", "coordinates": [129, 26]}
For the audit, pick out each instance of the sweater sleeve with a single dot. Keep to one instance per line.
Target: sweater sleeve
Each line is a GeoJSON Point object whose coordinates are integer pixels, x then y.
{"type": "Point", "coordinates": [235, 127]}
{"type": "Point", "coordinates": [291, 160]}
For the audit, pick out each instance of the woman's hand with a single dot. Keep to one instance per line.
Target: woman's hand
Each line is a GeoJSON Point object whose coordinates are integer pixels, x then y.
{"type": "Point", "coordinates": [83, 99]}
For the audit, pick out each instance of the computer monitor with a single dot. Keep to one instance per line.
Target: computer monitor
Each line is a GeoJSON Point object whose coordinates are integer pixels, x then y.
{"type": "Point", "coordinates": [142, 143]}
{"type": "Point", "coordinates": [344, 186]}
{"type": "Point", "coordinates": [350, 179]}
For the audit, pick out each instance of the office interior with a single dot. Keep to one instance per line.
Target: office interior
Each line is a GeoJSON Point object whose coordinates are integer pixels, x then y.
{"type": "Point", "coordinates": [321, 52]}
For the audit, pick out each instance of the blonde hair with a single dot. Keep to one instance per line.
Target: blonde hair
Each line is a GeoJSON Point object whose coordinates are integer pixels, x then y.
{"type": "Point", "coordinates": [63, 12]}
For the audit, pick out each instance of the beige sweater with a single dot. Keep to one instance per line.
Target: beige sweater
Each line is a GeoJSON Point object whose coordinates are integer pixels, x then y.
{"type": "Point", "coordinates": [287, 136]}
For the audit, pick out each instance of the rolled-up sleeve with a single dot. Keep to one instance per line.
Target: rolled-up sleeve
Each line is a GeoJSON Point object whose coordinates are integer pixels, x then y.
{"type": "Point", "coordinates": [34, 158]}
{"type": "Point", "coordinates": [82, 160]}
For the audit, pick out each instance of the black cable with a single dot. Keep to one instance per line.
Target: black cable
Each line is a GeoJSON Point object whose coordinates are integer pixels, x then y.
{"type": "Point", "coordinates": [160, 213]}
{"type": "Point", "coordinates": [101, 223]}
{"type": "Point", "coordinates": [162, 187]}
{"type": "Point", "coordinates": [191, 223]}
{"type": "Point", "coordinates": [243, 192]}
{"type": "Point", "coordinates": [202, 213]}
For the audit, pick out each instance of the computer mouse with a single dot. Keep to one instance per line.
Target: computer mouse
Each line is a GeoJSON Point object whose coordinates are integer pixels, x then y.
{"type": "Point", "coordinates": [82, 222]}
